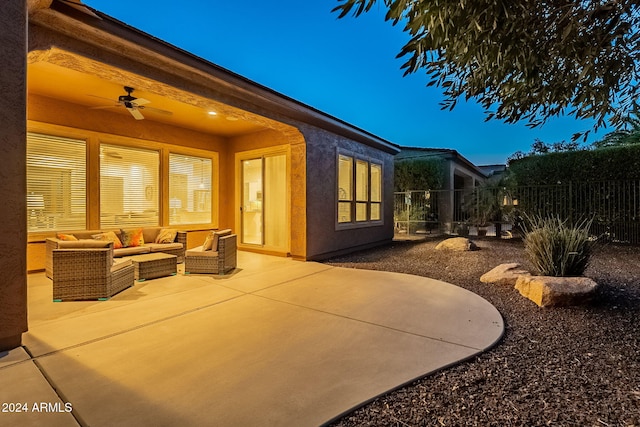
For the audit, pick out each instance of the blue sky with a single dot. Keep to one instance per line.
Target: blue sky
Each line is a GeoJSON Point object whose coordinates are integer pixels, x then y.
{"type": "Point", "coordinates": [344, 67]}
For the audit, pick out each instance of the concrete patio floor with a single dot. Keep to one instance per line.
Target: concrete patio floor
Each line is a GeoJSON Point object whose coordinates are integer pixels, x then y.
{"type": "Point", "coordinates": [276, 343]}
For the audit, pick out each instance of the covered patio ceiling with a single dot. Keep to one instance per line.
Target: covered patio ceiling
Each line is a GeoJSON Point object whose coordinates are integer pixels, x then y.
{"type": "Point", "coordinates": [65, 76]}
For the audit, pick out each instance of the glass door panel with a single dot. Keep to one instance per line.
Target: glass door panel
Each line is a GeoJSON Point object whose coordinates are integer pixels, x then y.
{"type": "Point", "coordinates": [275, 201]}
{"type": "Point", "coordinates": [252, 200]}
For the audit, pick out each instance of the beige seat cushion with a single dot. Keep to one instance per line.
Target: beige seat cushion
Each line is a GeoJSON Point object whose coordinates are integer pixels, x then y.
{"type": "Point", "coordinates": [133, 250]}
{"type": "Point", "coordinates": [150, 233]}
{"type": "Point", "coordinates": [200, 252]}
{"type": "Point", "coordinates": [159, 247]}
{"type": "Point", "coordinates": [119, 264]}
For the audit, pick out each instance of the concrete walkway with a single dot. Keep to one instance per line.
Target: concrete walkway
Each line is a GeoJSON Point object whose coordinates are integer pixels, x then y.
{"type": "Point", "coordinates": [276, 343]}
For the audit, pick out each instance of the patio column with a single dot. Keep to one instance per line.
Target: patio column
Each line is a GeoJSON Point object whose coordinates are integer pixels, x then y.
{"type": "Point", "coordinates": [13, 122]}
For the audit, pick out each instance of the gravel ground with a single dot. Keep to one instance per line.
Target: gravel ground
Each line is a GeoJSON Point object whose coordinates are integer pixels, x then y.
{"type": "Point", "coordinates": [577, 366]}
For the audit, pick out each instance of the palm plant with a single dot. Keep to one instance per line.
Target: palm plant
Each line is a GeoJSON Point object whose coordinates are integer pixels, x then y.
{"type": "Point", "coordinates": [630, 134]}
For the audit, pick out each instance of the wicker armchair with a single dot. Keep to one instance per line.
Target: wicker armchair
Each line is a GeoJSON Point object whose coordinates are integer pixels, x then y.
{"type": "Point", "coordinates": [89, 273]}
{"type": "Point", "coordinates": [219, 261]}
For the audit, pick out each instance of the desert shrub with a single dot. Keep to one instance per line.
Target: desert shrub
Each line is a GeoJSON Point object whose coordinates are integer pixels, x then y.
{"type": "Point", "coordinates": [556, 248]}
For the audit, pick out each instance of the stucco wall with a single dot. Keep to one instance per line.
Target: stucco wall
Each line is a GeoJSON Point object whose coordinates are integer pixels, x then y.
{"type": "Point", "coordinates": [323, 239]}
{"type": "Point", "coordinates": [13, 235]}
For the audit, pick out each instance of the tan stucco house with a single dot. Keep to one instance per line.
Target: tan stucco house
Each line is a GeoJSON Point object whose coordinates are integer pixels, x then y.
{"type": "Point", "coordinates": [104, 126]}
{"type": "Point", "coordinates": [460, 176]}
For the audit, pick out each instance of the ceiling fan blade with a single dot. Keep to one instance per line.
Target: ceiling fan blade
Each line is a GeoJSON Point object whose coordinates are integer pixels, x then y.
{"type": "Point", "coordinates": [102, 107]}
{"type": "Point", "coordinates": [101, 97]}
{"type": "Point", "coordinates": [156, 110]}
{"type": "Point", "coordinates": [136, 114]}
{"type": "Point", "coordinates": [141, 101]}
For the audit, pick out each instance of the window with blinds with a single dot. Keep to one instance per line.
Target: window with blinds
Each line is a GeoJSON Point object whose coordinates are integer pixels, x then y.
{"type": "Point", "coordinates": [362, 190]}
{"type": "Point", "coordinates": [189, 189]}
{"type": "Point", "coordinates": [359, 190]}
{"type": "Point", "coordinates": [56, 183]}
{"type": "Point", "coordinates": [345, 188]}
{"type": "Point", "coordinates": [376, 192]}
{"type": "Point", "coordinates": [129, 186]}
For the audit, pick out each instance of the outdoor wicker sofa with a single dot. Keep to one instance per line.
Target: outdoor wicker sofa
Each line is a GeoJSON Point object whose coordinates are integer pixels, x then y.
{"type": "Point", "coordinates": [219, 258]}
{"type": "Point", "coordinates": [86, 239]}
{"type": "Point", "coordinates": [89, 273]}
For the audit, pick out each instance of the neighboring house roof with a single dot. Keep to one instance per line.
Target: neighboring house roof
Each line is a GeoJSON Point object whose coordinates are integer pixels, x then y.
{"type": "Point", "coordinates": [408, 153]}
{"type": "Point", "coordinates": [492, 170]}
{"type": "Point", "coordinates": [89, 25]}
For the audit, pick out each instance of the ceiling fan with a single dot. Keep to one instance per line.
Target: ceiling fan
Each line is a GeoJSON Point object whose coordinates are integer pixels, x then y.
{"type": "Point", "coordinates": [132, 104]}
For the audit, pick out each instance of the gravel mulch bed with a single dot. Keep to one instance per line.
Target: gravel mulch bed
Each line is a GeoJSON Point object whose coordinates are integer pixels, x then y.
{"type": "Point", "coordinates": [577, 366]}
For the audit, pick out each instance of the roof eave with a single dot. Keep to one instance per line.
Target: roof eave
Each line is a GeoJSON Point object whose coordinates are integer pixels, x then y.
{"type": "Point", "coordinates": [234, 84]}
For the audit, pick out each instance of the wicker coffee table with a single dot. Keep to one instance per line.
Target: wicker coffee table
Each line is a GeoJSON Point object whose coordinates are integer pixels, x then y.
{"type": "Point", "coordinates": [151, 266]}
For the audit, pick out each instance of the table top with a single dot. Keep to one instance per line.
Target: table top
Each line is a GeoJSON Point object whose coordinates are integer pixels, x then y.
{"type": "Point", "coordinates": [151, 257]}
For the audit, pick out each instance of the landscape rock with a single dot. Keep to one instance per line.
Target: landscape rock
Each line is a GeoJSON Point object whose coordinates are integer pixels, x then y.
{"type": "Point", "coordinates": [504, 274]}
{"type": "Point", "coordinates": [457, 244]}
{"type": "Point", "coordinates": [547, 291]}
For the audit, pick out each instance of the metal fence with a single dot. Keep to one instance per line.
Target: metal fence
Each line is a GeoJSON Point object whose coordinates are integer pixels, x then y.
{"type": "Point", "coordinates": [429, 211]}
{"type": "Point", "coordinates": [614, 207]}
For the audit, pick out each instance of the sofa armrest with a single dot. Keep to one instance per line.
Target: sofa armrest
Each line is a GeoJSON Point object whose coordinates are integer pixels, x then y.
{"type": "Point", "coordinates": [88, 273]}
{"type": "Point", "coordinates": [53, 244]}
{"type": "Point", "coordinates": [228, 253]}
{"type": "Point", "coordinates": [81, 264]}
{"type": "Point", "coordinates": [50, 245]}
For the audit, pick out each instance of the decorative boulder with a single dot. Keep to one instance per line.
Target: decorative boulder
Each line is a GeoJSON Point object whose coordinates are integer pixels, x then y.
{"type": "Point", "coordinates": [547, 291]}
{"type": "Point", "coordinates": [504, 274]}
{"type": "Point", "coordinates": [457, 244]}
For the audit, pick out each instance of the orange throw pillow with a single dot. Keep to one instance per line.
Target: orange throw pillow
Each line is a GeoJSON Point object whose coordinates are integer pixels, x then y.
{"type": "Point", "coordinates": [67, 237]}
{"type": "Point", "coordinates": [132, 237]}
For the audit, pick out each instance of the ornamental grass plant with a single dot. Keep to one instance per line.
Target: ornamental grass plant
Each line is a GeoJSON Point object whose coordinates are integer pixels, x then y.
{"type": "Point", "coordinates": [557, 248]}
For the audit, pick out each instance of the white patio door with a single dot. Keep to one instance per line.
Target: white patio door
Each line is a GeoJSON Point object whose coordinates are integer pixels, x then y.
{"type": "Point", "coordinates": [264, 208]}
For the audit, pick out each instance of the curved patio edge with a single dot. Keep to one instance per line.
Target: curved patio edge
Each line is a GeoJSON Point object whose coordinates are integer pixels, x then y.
{"type": "Point", "coordinates": [444, 324]}
{"type": "Point", "coordinates": [277, 343]}
{"type": "Point", "coordinates": [491, 338]}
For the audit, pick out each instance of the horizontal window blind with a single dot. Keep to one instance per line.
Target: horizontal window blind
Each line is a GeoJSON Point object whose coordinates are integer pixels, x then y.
{"type": "Point", "coordinates": [362, 190]}
{"type": "Point", "coordinates": [189, 189]}
{"type": "Point", "coordinates": [345, 188]}
{"type": "Point", "coordinates": [129, 186]}
{"type": "Point", "coordinates": [376, 192]}
{"type": "Point", "coordinates": [56, 183]}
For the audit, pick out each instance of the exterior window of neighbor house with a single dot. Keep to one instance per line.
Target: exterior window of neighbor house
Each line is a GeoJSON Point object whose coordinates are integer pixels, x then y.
{"type": "Point", "coordinates": [189, 189]}
{"type": "Point", "coordinates": [56, 183]}
{"type": "Point", "coordinates": [129, 186]}
{"type": "Point", "coordinates": [359, 190]}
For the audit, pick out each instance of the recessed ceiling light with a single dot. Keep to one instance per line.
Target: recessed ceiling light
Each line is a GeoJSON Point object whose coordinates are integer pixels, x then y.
{"type": "Point", "coordinates": [212, 113]}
